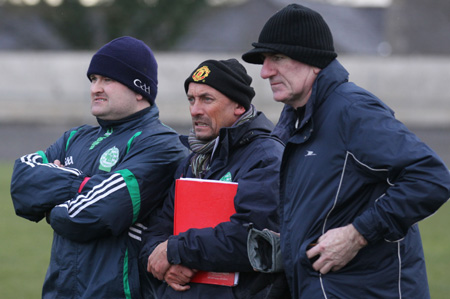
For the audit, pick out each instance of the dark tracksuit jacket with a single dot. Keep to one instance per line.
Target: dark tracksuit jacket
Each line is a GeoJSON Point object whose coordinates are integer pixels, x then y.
{"type": "Point", "coordinates": [115, 176]}
{"type": "Point", "coordinates": [252, 158]}
{"type": "Point", "coordinates": [351, 161]}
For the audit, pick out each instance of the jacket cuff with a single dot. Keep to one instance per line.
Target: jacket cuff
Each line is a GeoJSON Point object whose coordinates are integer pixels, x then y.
{"type": "Point", "coordinates": [173, 255]}
{"type": "Point", "coordinates": [364, 224]}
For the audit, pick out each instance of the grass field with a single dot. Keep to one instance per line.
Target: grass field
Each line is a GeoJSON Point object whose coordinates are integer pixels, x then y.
{"type": "Point", "coordinates": [25, 249]}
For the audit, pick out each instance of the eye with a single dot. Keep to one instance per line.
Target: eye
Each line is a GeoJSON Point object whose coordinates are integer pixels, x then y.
{"type": "Point", "coordinates": [277, 57]}
{"type": "Point", "coordinates": [93, 78]}
{"type": "Point", "coordinates": [190, 99]}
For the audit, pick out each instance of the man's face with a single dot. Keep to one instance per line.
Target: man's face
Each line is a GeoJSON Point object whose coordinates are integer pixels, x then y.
{"type": "Point", "coordinates": [211, 110]}
{"type": "Point", "coordinates": [111, 100]}
{"type": "Point", "coordinates": [291, 80]}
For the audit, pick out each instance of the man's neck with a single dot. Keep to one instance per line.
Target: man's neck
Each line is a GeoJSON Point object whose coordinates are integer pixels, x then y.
{"type": "Point", "coordinates": [136, 115]}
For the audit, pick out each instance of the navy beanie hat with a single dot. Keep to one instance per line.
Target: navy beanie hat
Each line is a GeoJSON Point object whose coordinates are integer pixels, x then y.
{"type": "Point", "coordinates": [129, 61]}
{"type": "Point", "coordinates": [227, 76]}
{"type": "Point", "coordinates": [297, 32]}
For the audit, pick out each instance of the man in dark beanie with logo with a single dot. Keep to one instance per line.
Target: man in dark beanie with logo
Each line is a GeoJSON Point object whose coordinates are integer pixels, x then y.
{"type": "Point", "coordinates": [98, 186]}
{"type": "Point", "coordinates": [354, 181]}
{"type": "Point", "coordinates": [230, 141]}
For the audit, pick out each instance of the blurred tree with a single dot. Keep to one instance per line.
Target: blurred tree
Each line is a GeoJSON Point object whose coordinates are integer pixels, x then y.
{"type": "Point", "coordinates": [404, 27]}
{"type": "Point", "coordinates": [159, 23]}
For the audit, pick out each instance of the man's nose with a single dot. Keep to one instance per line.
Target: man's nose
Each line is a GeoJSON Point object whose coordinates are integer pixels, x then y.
{"type": "Point", "coordinates": [96, 86]}
{"type": "Point", "coordinates": [266, 71]}
{"type": "Point", "coordinates": [196, 108]}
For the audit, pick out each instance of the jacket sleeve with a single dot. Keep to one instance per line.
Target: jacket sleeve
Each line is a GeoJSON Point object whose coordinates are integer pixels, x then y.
{"type": "Point", "coordinates": [417, 179]}
{"type": "Point", "coordinates": [110, 203]}
{"type": "Point", "coordinates": [159, 228]}
{"type": "Point", "coordinates": [224, 248]}
{"type": "Point", "coordinates": [37, 185]}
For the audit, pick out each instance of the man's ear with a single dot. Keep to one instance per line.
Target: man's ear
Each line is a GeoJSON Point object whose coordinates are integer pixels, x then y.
{"type": "Point", "coordinates": [139, 97]}
{"type": "Point", "coordinates": [239, 110]}
{"type": "Point", "coordinates": [143, 102]}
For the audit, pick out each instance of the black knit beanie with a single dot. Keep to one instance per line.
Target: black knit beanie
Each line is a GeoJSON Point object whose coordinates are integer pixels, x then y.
{"type": "Point", "coordinates": [227, 76]}
{"type": "Point", "coordinates": [297, 32]}
{"type": "Point", "coordinates": [129, 61]}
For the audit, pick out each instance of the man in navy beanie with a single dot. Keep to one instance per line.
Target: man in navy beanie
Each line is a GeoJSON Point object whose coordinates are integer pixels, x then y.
{"type": "Point", "coordinates": [230, 141]}
{"type": "Point", "coordinates": [98, 186]}
{"type": "Point", "coordinates": [354, 180]}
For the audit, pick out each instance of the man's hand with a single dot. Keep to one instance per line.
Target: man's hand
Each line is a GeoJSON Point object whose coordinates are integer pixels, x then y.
{"type": "Point", "coordinates": [336, 248]}
{"type": "Point", "coordinates": [58, 163]}
{"type": "Point", "coordinates": [178, 276]}
{"type": "Point", "coordinates": [157, 261]}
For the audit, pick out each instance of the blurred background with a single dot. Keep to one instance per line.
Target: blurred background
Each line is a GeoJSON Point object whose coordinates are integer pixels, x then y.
{"type": "Point", "coordinates": [397, 49]}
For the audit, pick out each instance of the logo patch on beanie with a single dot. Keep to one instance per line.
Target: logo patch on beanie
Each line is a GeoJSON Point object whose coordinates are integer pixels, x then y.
{"type": "Point", "coordinates": [139, 84]}
{"type": "Point", "coordinates": [201, 73]}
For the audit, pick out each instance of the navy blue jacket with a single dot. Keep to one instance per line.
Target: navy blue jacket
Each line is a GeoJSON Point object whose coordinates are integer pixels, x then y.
{"type": "Point", "coordinates": [252, 157]}
{"type": "Point", "coordinates": [351, 161]}
{"type": "Point", "coordinates": [115, 176]}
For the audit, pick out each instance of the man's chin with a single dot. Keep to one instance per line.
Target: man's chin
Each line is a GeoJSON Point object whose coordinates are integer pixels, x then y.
{"type": "Point", "coordinates": [203, 136]}
{"type": "Point", "coordinates": [279, 97]}
{"type": "Point", "coordinates": [96, 114]}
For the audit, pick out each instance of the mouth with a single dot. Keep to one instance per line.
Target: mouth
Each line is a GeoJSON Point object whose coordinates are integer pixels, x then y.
{"type": "Point", "coordinates": [99, 100]}
{"type": "Point", "coordinates": [198, 123]}
{"type": "Point", "coordinates": [274, 83]}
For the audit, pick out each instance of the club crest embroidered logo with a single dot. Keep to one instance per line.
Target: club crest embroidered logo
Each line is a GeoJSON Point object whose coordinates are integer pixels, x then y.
{"type": "Point", "coordinates": [201, 73]}
{"type": "Point", "coordinates": [109, 159]}
{"type": "Point", "coordinates": [226, 178]}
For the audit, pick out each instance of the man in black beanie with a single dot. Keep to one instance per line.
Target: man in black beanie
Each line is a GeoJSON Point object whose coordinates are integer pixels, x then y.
{"type": "Point", "coordinates": [97, 186]}
{"type": "Point", "coordinates": [354, 180]}
{"type": "Point", "coordinates": [230, 141]}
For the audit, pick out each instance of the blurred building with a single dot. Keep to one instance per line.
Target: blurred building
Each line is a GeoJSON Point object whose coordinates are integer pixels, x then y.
{"type": "Point", "coordinates": [379, 27]}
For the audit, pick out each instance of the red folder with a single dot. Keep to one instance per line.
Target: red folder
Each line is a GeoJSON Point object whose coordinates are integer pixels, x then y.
{"type": "Point", "coordinates": [205, 203]}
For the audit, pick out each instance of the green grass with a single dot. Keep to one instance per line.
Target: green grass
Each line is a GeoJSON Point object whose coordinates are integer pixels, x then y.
{"type": "Point", "coordinates": [436, 243]}
{"type": "Point", "coordinates": [25, 248]}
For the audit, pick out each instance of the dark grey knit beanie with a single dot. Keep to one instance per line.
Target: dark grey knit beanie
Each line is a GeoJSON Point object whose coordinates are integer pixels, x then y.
{"type": "Point", "coordinates": [297, 32]}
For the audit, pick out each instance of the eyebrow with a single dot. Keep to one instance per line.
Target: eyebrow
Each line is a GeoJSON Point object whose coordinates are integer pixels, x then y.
{"type": "Point", "coordinates": [202, 95]}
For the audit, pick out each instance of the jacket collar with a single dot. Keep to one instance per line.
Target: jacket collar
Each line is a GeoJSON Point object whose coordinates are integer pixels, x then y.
{"type": "Point", "coordinates": [245, 132]}
{"type": "Point", "coordinates": [232, 138]}
{"type": "Point", "coordinates": [327, 81]}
